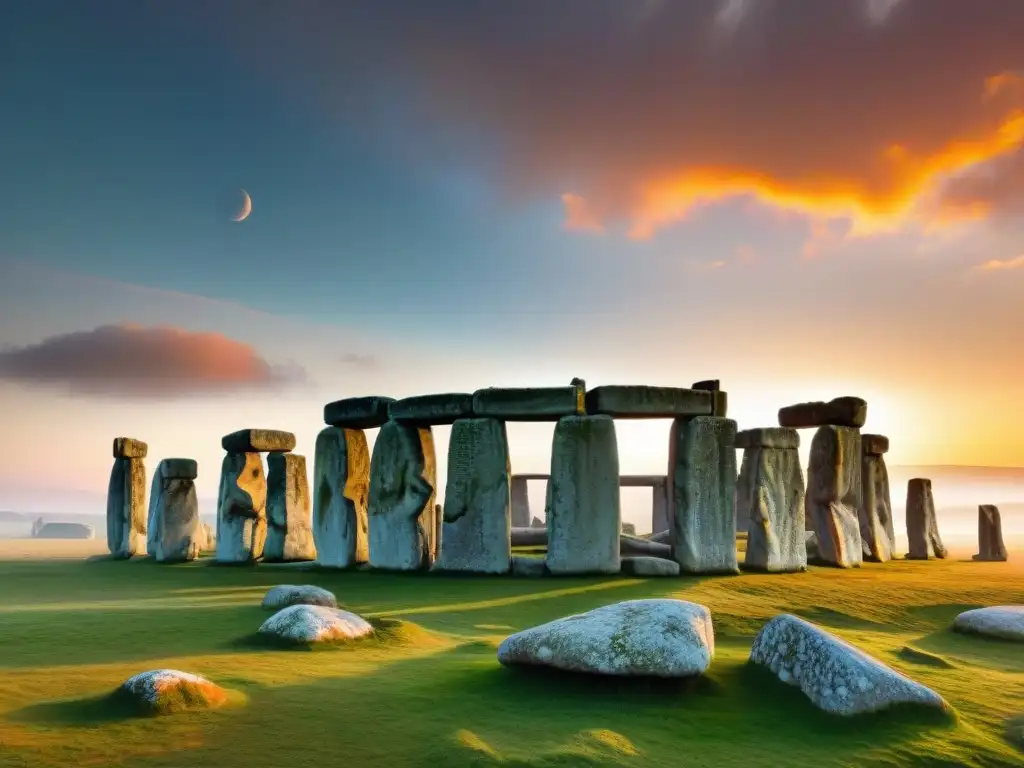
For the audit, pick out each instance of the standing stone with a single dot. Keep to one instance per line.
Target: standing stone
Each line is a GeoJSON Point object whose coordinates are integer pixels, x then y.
{"type": "Point", "coordinates": [771, 490]}
{"type": "Point", "coordinates": [878, 537]}
{"type": "Point", "coordinates": [702, 484]}
{"type": "Point", "coordinates": [289, 533]}
{"type": "Point", "coordinates": [126, 499]}
{"type": "Point", "coordinates": [403, 477]}
{"type": "Point", "coordinates": [990, 534]}
{"type": "Point", "coordinates": [520, 503]}
{"type": "Point", "coordinates": [477, 517]}
{"type": "Point", "coordinates": [659, 509]}
{"type": "Point", "coordinates": [151, 527]}
{"type": "Point", "coordinates": [922, 528]}
{"type": "Point", "coordinates": [583, 512]}
{"type": "Point", "coordinates": [241, 509]}
{"type": "Point", "coordinates": [341, 477]}
{"type": "Point", "coordinates": [834, 494]}
{"type": "Point", "coordinates": [178, 536]}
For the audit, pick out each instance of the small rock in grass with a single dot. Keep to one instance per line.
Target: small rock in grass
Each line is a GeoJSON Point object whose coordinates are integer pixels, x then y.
{"type": "Point", "coordinates": [1003, 621]}
{"type": "Point", "coordinates": [165, 691]}
{"type": "Point", "coordinates": [315, 624]}
{"type": "Point", "coordinates": [284, 595]}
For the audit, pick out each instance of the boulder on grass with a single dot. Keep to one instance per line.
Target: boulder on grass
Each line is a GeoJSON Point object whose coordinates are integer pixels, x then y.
{"type": "Point", "coordinates": [284, 595]}
{"type": "Point", "coordinates": [1003, 621]}
{"type": "Point", "coordinates": [301, 624]}
{"type": "Point", "coordinates": [166, 691]}
{"type": "Point", "coordinates": [649, 566]}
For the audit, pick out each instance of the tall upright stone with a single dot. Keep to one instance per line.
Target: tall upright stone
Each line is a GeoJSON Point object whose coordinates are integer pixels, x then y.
{"type": "Point", "coordinates": [403, 478]}
{"type": "Point", "coordinates": [289, 529]}
{"type": "Point", "coordinates": [990, 534]}
{"type": "Point", "coordinates": [126, 499]}
{"type": "Point", "coordinates": [583, 510]}
{"type": "Point", "coordinates": [178, 536]}
{"type": "Point", "coordinates": [476, 530]}
{"type": "Point", "coordinates": [834, 494]}
{"type": "Point", "coordinates": [341, 486]}
{"type": "Point", "coordinates": [702, 488]}
{"type": "Point", "coordinates": [878, 537]}
{"type": "Point", "coordinates": [520, 503]}
{"type": "Point", "coordinates": [922, 527]}
{"type": "Point", "coordinates": [151, 526]}
{"type": "Point", "coordinates": [241, 508]}
{"type": "Point", "coordinates": [659, 509]}
{"type": "Point", "coordinates": [770, 495]}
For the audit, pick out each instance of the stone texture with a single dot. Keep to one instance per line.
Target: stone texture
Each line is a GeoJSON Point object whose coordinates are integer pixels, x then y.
{"type": "Point", "coordinates": [180, 469]}
{"type": "Point", "coordinates": [876, 445]}
{"type": "Point", "coordinates": [641, 565]}
{"type": "Point", "coordinates": [702, 484]}
{"type": "Point", "coordinates": [358, 412]}
{"type": "Point", "coordinates": [528, 403]}
{"type": "Point", "coordinates": [659, 509]}
{"type": "Point", "coordinates": [1003, 621]}
{"type": "Point", "coordinates": [768, 437]}
{"type": "Point", "coordinates": [403, 478]}
{"type": "Point", "coordinates": [770, 496]}
{"type": "Point", "coordinates": [289, 527]}
{"type": "Point", "coordinates": [178, 536]}
{"type": "Point", "coordinates": [307, 624]}
{"type": "Point", "coordinates": [477, 517]}
{"type": "Point", "coordinates": [839, 412]}
{"type": "Point", "coordinates": [833, 497]}
{"type": "Point", "coordinates": [629, 529]}
{"type": "Point", "coordinates": [922, 527]}
{"type": "Point", "coordinates": [284, 595]}
{"type": "Point", "coordinates": [642, 638]}
{"type": "Point", "coordinates": [130, 448]}
{"type": "Point", "coordinates": [167, 691]}
{"type": "Point", "coordinates": [341, 489]}
{"type": "Point", "coordinates": [643, 402]}
{"type": "Point", "coordinates": [711, 385]}
{"type": "Point", "coordinates": [637, 545]}
{"type": "Point", "coordinates": [530, 567]}
{"type": "Point", "coordinates": [878, 536]}
{"type": "Point", "coordinates": [583, 514]}
{"type": "Point", "coordinates": [126, 508]}
{"type": "Point", "coordinates": [836, 676]}
{"type": "Point", "coordinates": [428, 410]}
{"type": "Point", "coordinates": [520, 510]}
{"type": "Point", "coordinates": [151, 526]}
{"type": "Point", "coordinates": [536, 522]}
{"type": "Point", "coordinates": [258, 441]}
{"type": "Point", "coordinates": [990, 534]}
{"type": "Point", "coordinates": [241, 509]}
{"type": "Point", "coordinates": [207, 538]}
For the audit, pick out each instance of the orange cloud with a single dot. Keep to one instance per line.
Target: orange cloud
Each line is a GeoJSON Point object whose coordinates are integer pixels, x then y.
{"type": "Point", "coordinates": [996, 264]}
{"type": "Point", "coordinates": [1004, 81]}
{"type": "Point", "coordinates": [578, 216]}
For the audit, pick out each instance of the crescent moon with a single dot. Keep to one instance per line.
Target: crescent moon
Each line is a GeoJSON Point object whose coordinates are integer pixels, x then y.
{"type": "Point", "coordinates": [246, 207]}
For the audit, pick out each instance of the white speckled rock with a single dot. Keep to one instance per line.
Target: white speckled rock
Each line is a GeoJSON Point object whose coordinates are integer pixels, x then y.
{"type": "Point", "coordinates": [1005, 621]}
{"type": "Point", "coordinates": [652, 638]}
{"type": "Point", "coordinates": [642, 565]}
{"type": "Point", "coordinates": [166, 690]}
{"type": "Point", "coordinates": [838, 677]}
{"type": "Point", "coordinates": [284, 595]}
{"type": "Point", "coordinates": [315, 624]}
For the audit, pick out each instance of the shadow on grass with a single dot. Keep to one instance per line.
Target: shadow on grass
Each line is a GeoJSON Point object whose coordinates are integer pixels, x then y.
{"type": "Point", "coordinates": [88, 711]}
{"type": "Point", "coordinates": [993, 652]}
{"type": "Point", "coordinates": [916, 656]}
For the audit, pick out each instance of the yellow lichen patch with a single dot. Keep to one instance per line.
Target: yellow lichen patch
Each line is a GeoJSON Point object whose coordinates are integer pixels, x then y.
{"type": "Point", "coordinates": [471, 741]}
{"type": "Point", "coordinates": [611, 740]}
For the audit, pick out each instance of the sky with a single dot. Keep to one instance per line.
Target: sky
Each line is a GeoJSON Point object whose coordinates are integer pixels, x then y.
{"type": "Point", "coordinates": [804, 199]}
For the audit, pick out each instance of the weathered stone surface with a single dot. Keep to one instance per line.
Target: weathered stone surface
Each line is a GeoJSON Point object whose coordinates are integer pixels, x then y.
{"type": "Point", "coordinates": [533, 536]}
{"type": "Point", "coordinates": [520, 510]}
{"type": "Point", "coordinates": [289, 527]}
{"type": "Point", "coordinates": [661, 537]}
{"type": "Point", "coordinates": [643, 638]}
{"type": "Point", "coordinates": [659, 509]}
{"type": "Point", "coordinates": [876, 445]}
{"type": "Point", "coordinates": [536, 522]}
{"type": "Point", "coordinates": [642, 565]}
{"type": "Point", "coordinates": [990, 534]}
{"type": "Point", "coordinates": [811, 543]}
{"type": "Point", "coordinates": [1002, 621]}
{"type": "Point", "coordinates": [834, 495]}
{"type": "Point", "coordinates": [305, 624]}
{"type": "Point", "coordinates": [403, 478]}
{"type": "Point", "coordinates": [530, 567]}
{"type": "Point", "coordinates": [151, 526]}
{"type": "Point", "coordinates": [768, 437]}
{"type": "Point", "coordinates": [341, 488]}
{"type": "Point", "coordinates": [770, 495]}
{"type": "Point", "coordinates": [167, 691]}
{"type": "Point", "coordinates": [284, 595]}
{"type": "Point", "coordinates": [477, 519]}
{"type": "Point", "coordinates": [643, 402]}
{"type": "Point", "coordinates": [207, 538]}
{"type": "Point", "coordinates": [241, 509]}
{"type": "Point", "coordinates": [702, 484]}
{"type": "Point", "coordinates": [836, 676]}
{"type": "Point", "coordinates": [126, 508]}
{"type": "Point", "coordinates": [258, 440]}
{"type": "Point", "coordinates": [528, 403]}
{"type": "Point", "coordinates": [629, 529]}
{"type": "Point", "coordinates": [177, 537]}
{"type": "Point", "coordinates": [878, 537]}
{"type": "Point", "coordinates": [130, 448]}
{"type": "Point", "coordinates": [840, 412]}
{"type": "Point", "coordinates": [428, 410]}
{"type": "Point", "coordinates": [922, 527]}
{"type": "Point", "coordinates": [358, 412]}
{"type": "Point", "coordinates": [583, 513]}
{"type": "Point", "coordinates": [180, 469]}
{"type": "Point", "coordinates": [639, 546]}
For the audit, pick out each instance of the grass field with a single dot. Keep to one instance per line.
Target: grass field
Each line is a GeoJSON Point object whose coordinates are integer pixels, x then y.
{"type": "Point", "coordinates": [432, 693]}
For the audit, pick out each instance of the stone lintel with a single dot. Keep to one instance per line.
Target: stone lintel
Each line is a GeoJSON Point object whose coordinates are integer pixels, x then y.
{"type": "Point", "coordinates": [528, 403]}
{"type": "Point", "coordinates": [358, 412]}
{"type": "Point", "coordinates": [258, 441]}
{"type": "Point", "coordinates": [768, 437]}
{"type": "Point", "coordinates": [711, 385]}
{"type": "Point", "coordinates": [179, 469]}
{"type": "Point", "coordinates": [645, 402]}
{"type": "Point", "coordinates": [839, 412]}
{"type": "Point", "coordinates": [874, 445]}
{"type": "Point", "coordinates": [429, 410]}
{"type": "Point", "coordinates": [129, 448]}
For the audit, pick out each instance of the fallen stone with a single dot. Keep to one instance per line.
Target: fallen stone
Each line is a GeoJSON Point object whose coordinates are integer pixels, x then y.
{"type": "Point", "coordinates": [702, 488]}
{"type": "Point", "coordinates": [529, 403]}
{"type": "Point", "coordinates": [840, 412]}
{"type": "Point", "coordinates": [922, 527]}
{"type": "Point", "coordinates": [583, 513]}
{"type": "Point", "coordinates": [643, 402]}
{"type": "Point", "coordinates": [289, 527]}
{"type": "Point", "coordinates": [176, 517]}
{"type": "Point", "coordinates": [639, 546]}
{"type": "Point", "coordinates": [834, 495]}
{"type": "Point", "coordinates": [130, 448]}
{"type": "Point", "coordinates": [403, 478]}
{"type": "Point", "coordinates": [126, 508]}
{"type": "Point", "coordinates": [878, 536]}
{"type": "Point", "coordinates": [64, 531]}
{"type": "Point", "coordinates": [520, 510]}
{"type": "Point", "coordinates": [836, 676]}
{"type": "Point", "coordinates": [990, 534]}
{"type": "Point", "coordinates": [643, 638]}
{"type": "Point", "coordinates": [284, 595]}
{"type": "Point", "coordinates": [258, 441]}
{"type": "Point", "coordinates": [431, 410]}
{"type": "Point", "coordinates": [649, 566]}
{"type": "Point", "coordinates": [341, 487]}
{"type": "Point", "coordinates": [1002, 621]}
{"type": "Point", "coordinates": [167, 691]}
{"type": "Point", "coordinates": [768, 437]}
{"type": "Point", "coordinates": [875, 445]}
{"type": "Point", "coordinates": [770, 495]}
{"type": "Point", "coordinates": [358, 412]}
{"type": "Point", "coordinates": [530, 567]}
{"type": "Point", "coordinates": [475, 537]}
{"type": "Point", "coordinates": [303, 624]}
{"type": "Point", "coordinates": [241, 509]}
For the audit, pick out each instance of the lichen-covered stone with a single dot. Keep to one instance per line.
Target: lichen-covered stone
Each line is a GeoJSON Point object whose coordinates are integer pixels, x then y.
{"type": "Point", "coordinates": [180, 469]}
{"type": "Point", "coordinates": [922, 527]}
{"type": "Point", "coordinates": [876, 445]}
{"type": "Point", "coordinates": [289, 528]}
{"type": "Point", "coordinates": [834, 495]}
{"type": "Point", "coordinates": [403, 478]}
{"type": "Point", "coordinates": [177, 537]}
{"type": "Point", "coordinates": [284, 595]}
{"type": "Point", "coordinates": [358, 412]}
{"type": "Point", "coordinates": [257, 441]}
{"type": "Point", "coordinates": [531, 567]}
{"type": "Point", "coordinates": [1002, 621]}
{"type": "Point", "coordinates": [527, 403]}
{"type": "Point", "coordinates": [304, 624]}
{"type": "Point", "coordinates": [341, 487]}
{"type": "Point", "coordinates": [583, 513]}
{"type": "Point", "coordinates": [167, 691]}
{"type": "Point", "coordinates": [770, 496]}
{"type": "Point", "coordinates": [643, 402]}
{"type": "Point", "coordinates": [835, 675]}
{"type": "Point", "coordinates": [644, 565]}
{"type": "Point", "coordinates": [126, 508]}
{"type": "Point", "coordinates": [877, 534]}
{"type": "Point", "coordinates": [241, 509]}
{"type": "Point", "coordinates": [129, 448]}
{"type": "Point", "coordinates": [702, 488]}
{"type": "Point", "coordinates": [476, 531]}
{"type": "Point", "coordinates": [990, 534]}
{"type": "Point", "coordinates": [643, 638]}
{"type": "Point", "coordinates": [768, 437]}
{"type": "Point", "coordinates": [839, 412]}
{"type": "Point", "coordinates": [432, 410]}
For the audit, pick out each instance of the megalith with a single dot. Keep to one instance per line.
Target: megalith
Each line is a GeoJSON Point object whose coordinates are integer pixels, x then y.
{"type": "Point", "coordinates": [583, 510]}
{"type": "Point", "coordinates": [770, 497]}
{"type": "Point", "coordinates": [990, 534]}
{"type": "Point", "coordinates": [289, 530]}
{"type": "Point", "coordinates": [834, 494]}
{"type": "Point", "coordinates": [403, 478]}
{"type": "Point", "coordinates": [178, 536]}
{"type": "Point", "coordinates": [878, 538]}
{"type": "Point", "coordinates": [241, 508]}
{"type": "Point", "coordinates": [922, 527]}
{"type": "Point", "coordinates": [476, 528]}
{"type": "Point", "coordinates": [659, 509]}
{"type": "Point", "coordinates": [702, 493]}
{"type": "Point", "coordinates": [126, 499]}
{"type": "Point", "coordinates": [151, 526]}
{"type": "Point", "coordinates": [520, 503]}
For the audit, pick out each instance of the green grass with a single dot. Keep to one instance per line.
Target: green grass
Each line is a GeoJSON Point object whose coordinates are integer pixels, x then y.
{"type": "Point", "coordinates": [429, 692]}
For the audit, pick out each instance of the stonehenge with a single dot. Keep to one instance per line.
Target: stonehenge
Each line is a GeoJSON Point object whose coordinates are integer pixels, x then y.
{"type": "Point", "coordinates": [990, 534]}
{"type": "Point", "coordinates": [922, 529]}
{"type": "Point", "coordinates": [126, 499]}
{"type": "Point", "coordinates": [289, 529]}
{"type": "Point", "coordinates": [176, 532]}
{"type": "Point", "coordinates": [876, 529]}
